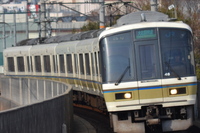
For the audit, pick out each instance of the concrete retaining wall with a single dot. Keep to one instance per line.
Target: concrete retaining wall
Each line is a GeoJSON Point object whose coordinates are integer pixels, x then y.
{"type": "Point", "coordinates": [38, 106]}
{"type": "Point", "coordinates": [197, 105]}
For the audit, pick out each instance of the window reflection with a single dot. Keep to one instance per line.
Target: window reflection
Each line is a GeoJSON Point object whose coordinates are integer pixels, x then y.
{"type": "Point", "coordinates": [147, 61]}
{"type": "Point", "coordinates": [116, 57]}
{"type": "Point", "coordinates": [176, 53]}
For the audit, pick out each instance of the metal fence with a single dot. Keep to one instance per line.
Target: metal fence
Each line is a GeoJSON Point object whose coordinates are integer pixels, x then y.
{"type": "Point", "coordinates": [39, 106]}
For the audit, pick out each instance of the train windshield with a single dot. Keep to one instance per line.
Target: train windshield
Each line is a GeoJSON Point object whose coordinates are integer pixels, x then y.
{"type": "Point", "coordinates": [148, 55]}
{"type": "Point", "coordinates": [116, 56]}
{"type": "Point", "coordinates": [177, 55]}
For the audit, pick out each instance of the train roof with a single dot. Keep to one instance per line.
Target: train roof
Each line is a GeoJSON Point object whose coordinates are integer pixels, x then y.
{"type": "Point", "coordinates": [124, 28]}
{"type": "Point", "coordinates": [149, 16]}
{"type": "Point", "coordinates": [63, 38]}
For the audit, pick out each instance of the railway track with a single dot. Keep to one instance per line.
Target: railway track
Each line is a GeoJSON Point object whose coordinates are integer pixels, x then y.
{"type": "Point", "coordinates": [102, 125]}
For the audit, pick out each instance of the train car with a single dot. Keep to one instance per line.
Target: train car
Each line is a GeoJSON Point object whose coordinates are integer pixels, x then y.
{"type": "Point", "coordinates": [68, 58]}
{"type": "Point", "coordinates": [148, 75]}
{"type": "Point", "coordinates": [144, 72]}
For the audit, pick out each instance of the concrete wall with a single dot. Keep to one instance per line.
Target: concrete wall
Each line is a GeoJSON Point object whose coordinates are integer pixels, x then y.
{"type": "Point", "coordinates": [39, 106]}
{"type": "Point", "coordinates": [197, 105]}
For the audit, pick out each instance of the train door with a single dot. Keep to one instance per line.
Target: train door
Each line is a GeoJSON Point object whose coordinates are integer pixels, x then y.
{"type": "Point", "coordinates": [148, 72]}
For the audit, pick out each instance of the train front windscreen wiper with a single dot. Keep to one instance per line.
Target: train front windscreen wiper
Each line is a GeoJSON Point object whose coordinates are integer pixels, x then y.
{"type": "Point", "coordinates": [121, 77]}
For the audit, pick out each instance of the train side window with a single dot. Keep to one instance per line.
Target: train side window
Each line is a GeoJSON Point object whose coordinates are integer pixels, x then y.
{"type": "Point", "coordinates": [28, 63]}
{"type": "Point", "coordinates": [10, 61]}
{"type": "Point", "coordinates": [87, 63]}
{"type": "Point", "coordinates": [99, 64]}
{"type": "Point", "coordinates": [31, 64]}
{"type": "Point", "coordinates": [96, 65]}
{"type": "Point", "coordinates": [47, 67]}
{"type": "Point", "coordinates": [55, 64]}
{"type": "Point", "coordinates": [75, 63]}
{"type": "Point", "coordinates": [81, 64]}
{"type": "Point", "coordinates": [20, 64]}
{"type": "Point", "coordinates": [92, 63]}
{"type": "Point", "coordinates": [37, 64]}
{"type": "Point", "coordinates": [69, 63]}
{"type": "Point", "coordinates": [62, 65]}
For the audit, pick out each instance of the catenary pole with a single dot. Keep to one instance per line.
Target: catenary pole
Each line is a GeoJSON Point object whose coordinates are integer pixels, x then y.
{"type": "Point", "coordinates": [154, 5]}
{"type": "Point", "coordinates": [43, 22]}
{"type": "Point", "coordinates": [102, 15]}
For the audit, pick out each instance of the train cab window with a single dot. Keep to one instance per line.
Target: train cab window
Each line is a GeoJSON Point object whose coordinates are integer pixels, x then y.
{"type": "Point", "coordinates": [37, 64]}
{"type": "Point", "coordinates": [177, 55]}
{"type": "Point", "coordinates": [81, 64]}
{"type": "Point", "coordinates": [116, 58]}
{"type": "Point", "coordinates": [47, 67]}
{"type": "Point", "coordinates": [62, 64]}
{"type": "Point", "coordinates": [69, 63]}
{"type": "Point", "coordinates": [55, 64]}
{"type": "Point", "coordinates": [20, 64]}
{"type": "Point", "coordinates": [10, 61]}
{"type": "Point", "coordinates": [87, 63]}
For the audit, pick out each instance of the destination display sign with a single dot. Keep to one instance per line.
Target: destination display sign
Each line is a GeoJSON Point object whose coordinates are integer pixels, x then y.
{"type": "Point", "coordinates": [120, 37]}
{"type": "Point", "coordinates": [145, 33]}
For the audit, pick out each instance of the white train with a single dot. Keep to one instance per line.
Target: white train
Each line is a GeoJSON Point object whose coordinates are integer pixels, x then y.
{"type": "Point", "coordinates": [145, 72]}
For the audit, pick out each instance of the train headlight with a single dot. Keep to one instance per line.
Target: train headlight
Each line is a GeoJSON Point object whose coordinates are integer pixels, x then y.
{"type": "Point", "coordinates": [173, 91]}
{"type": "Point", "coordinates": [127, 95]}
{"type": "Point", "coordinates": [176, 91]}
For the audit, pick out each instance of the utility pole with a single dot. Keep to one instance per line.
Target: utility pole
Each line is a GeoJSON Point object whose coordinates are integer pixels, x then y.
{"type": "Point", "coordinates": [102, 15]}
{"type": "Point", "coordinates": [15, 36]}
{"type": "Point", "coordinates": [154, 5]}
{"type": "Point", "coordinates": [27, 26]}
{"type": "Point", "coordinates": [4, 32]}
{"type": "Point", "coordinates": [43, 21]}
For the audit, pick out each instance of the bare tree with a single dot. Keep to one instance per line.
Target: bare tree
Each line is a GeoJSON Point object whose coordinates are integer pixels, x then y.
{"type": "Point", "coordinates": [142, 4]}
{"type": "Point", "coordinates": [193, 18]}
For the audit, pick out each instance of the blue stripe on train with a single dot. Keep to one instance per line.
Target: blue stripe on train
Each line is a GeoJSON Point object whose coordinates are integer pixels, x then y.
{"type": "Point", "coordinates": [149, 88]}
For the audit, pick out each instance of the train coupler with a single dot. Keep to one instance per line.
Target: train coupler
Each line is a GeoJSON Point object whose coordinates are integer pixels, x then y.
{"type": "Point", "coordinates": [152, 115]}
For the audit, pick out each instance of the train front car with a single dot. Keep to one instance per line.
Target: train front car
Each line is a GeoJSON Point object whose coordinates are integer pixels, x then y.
{"type": "Point", "coordinates": [148, 76]}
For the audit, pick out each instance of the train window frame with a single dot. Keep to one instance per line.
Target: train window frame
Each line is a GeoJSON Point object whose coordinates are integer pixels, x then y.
{"type": "Point", "coordinates": [10, 62]}
{"type": "Point", "coordinates": [176, 49]}
{"type": "Point", "coordinates": [131, 70]}
{"type": "Point", "coordinates": [46, 63]}
{"type": "Point", "coordinates": [28, 63]}
{"type": "Point", "coordinates": [20, 64]}
{"type": "Point", "coordinates": [81, 65]}
{"type": "Point", "coordinates": [87, 63]}
{"type": "Point", "coordinates": [62, 63]}
{"type": "Point", "coordinates": [92, 64]}
{"type": "Point", "coordinates": [99, 66]}
{"type": "Point", "coordinates": [76, 63]}
{"type": "Point", "coordinates": [38, 67]}
{"type": "Point", "coordinates": [69, 63]}
{"type": "Point", "coordinates": [55, 66]}
{"type": "Point", "coordinates": [146, 56]}
{"type": "Point", "coordinates": [31, 63]}
{"type": "Point", "coordinates": [96, 63]}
